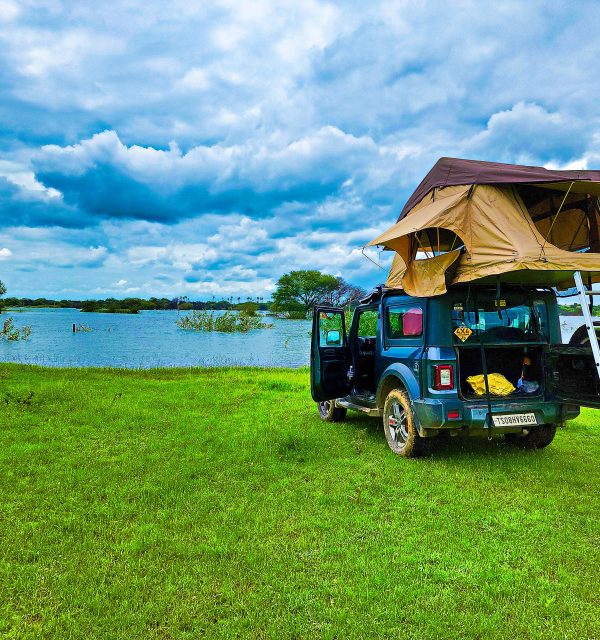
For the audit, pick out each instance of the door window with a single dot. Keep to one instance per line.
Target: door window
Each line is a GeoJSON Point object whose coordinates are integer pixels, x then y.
{"type": "Point", "coordinates": [367, 324]}
{"type": "Point", "coordinates": [331, 329]}
{"type": "Point", "coordinates": [404, 322]}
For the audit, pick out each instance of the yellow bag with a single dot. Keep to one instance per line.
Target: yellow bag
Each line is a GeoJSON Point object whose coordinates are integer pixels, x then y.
{"type": "Point", "coordinates": [499, 385]}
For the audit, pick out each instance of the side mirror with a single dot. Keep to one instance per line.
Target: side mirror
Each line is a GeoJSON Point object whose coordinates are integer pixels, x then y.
{"type": "Point", "coordinates": [333, 338]}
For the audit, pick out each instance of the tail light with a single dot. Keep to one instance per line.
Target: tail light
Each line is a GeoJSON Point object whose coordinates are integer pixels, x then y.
{"type": "Point", "coordinates": [443, 377]}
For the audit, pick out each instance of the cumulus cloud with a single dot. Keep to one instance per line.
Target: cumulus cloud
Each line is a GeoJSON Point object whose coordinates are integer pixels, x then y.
{"type": "Point", "coordinates": [105, 178]}
{"type": "Point", "coordinates": [527, 132]}
{"type": "Point", "coordinates": [5, 253]}
{"type": "Point", "coordinates": [247, 139]}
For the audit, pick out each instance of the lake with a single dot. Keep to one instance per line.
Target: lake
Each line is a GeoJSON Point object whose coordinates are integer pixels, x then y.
{"type": "Point", "coordinates": [149, 339]}
{"type": "Point", "coordinates": [152, 339]}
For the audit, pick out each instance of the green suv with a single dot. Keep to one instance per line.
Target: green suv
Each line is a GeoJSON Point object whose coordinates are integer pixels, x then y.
{"type": "Point", "coordinates": [432, 365]}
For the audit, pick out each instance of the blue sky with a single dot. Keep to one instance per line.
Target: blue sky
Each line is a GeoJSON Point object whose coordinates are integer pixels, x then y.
{"type": "Point", "coordinates": [207, 148]}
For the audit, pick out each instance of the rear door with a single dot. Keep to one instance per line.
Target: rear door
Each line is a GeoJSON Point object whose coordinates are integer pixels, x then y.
{"type": "Point", "coordinates": [572, 375]}
{"type": "Point", "coordinates": [329, 355]}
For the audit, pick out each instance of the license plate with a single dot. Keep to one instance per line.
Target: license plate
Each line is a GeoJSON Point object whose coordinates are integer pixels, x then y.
{"type": "Point", "coordinates": [514, 420]}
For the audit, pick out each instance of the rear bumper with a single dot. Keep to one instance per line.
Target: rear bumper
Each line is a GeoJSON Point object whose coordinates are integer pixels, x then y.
{"type": "Point", "coordinates": [433, 413]}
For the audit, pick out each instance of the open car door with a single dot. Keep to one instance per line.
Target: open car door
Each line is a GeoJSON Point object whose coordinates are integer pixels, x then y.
{"type": "Point", "coordinates": [572, 374]}
{"type": "Point", "coordinates": [329, 355]}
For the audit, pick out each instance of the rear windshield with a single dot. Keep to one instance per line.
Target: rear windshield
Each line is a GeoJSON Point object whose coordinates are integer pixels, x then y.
{"type": "Point", "coordinates": [500, 320]}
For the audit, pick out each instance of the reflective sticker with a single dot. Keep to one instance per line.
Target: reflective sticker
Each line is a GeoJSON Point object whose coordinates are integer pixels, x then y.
{"type": "Point", "coordinates": [500, 303]}
{"type": "Point", "coordinates": [458, 306]}
{"type": "Point", "coordinates": [463, 332]}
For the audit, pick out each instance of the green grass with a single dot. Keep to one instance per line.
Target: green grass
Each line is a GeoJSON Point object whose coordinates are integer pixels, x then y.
{"type": "Point", "coordinates": [215, 503]}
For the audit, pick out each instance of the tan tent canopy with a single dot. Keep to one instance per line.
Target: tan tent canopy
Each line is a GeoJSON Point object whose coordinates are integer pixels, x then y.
{"type": "Point", "coordinates": [470, 220]}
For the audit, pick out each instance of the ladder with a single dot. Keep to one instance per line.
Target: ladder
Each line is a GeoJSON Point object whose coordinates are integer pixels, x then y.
{"type": "Point", "coordinates": [582, 292]}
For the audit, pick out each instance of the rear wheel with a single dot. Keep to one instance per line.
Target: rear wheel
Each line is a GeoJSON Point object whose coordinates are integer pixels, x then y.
{"type": "Point", "coordinates": [330, 413]}
{"type": "Point", "coordinates": [537, 438]}
{"type": "Point", "coordinates": [399, 426]}
{"type": "Point", "coordinates": [580, 336]}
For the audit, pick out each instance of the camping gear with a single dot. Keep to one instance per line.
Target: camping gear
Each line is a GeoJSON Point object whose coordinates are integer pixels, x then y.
{"type": "Point", "coordinates": [527, 386]}
{"type": "Point", "coordinates": [490, 222]}
{"type": "Point", "coordinates": [470, 220]}
{"type": "Point", "coordinates": [497, 383]}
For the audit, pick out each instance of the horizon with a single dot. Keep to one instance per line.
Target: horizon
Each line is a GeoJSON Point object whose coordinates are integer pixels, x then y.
{"type": "Point", "coordinates": [212, 149]}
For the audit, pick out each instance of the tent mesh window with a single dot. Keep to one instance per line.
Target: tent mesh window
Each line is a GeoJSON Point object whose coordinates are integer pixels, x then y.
{"type": "Point", "coordinates": [570, 223]}
{"type": "Point", "coordinates": [434, 241]}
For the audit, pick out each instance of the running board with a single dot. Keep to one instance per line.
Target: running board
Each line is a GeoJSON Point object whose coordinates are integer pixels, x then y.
{"type": "Point", "coordinates": [358, 407]}
{"type": "Point", "coordinates": [589, 323]}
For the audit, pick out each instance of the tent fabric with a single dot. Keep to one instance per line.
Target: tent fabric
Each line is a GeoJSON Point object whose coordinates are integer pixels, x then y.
{"type": "Point", "coordinates": [426, 277]}
{"type": "Point", "coordinates": [455, 171]}
{"type": "Point", "coordinates": [500, 238]}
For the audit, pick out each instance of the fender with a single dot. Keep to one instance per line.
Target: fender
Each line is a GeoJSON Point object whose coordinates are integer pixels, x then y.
{"type": "Point", "coordinates": [405, 375]}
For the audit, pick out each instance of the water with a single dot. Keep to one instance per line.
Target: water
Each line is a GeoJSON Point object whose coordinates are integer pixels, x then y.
{"type": "Point", "coordinates": [149, 339]}
{"type": "Point", "coordinates": [152, 339]}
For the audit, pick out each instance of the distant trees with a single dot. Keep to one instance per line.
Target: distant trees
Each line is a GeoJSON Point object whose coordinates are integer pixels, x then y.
{"type": "Point", "coordinates": [2, 292]}
{"type": "Point", "coordinates": [298, 291]}
{"type": "Point", "coordinates": [345, 294]}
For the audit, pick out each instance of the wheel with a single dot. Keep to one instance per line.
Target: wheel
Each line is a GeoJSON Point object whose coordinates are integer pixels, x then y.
{"type": "Point", "coordinates": [399, 426]}
{"type": "Point", "coordinates": [580, 336]}
{"type": "Point", "coordinates": [330, 413]}
{"type": "Point", "coordinates": [537, 438]}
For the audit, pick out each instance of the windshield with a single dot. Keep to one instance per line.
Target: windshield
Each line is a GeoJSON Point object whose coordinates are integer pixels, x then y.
{"type": "Point", "coordinates": [500, 320]}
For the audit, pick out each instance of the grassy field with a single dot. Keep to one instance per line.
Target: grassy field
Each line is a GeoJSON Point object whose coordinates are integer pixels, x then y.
{"type": "Point", "coordinates": [215, 503]}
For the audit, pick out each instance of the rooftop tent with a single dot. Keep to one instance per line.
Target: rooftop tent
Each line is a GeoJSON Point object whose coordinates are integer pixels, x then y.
{"type": "Point", "coordinates": [471, 220]}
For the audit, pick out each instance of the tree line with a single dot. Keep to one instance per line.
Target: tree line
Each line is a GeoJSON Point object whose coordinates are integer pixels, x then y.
{"type": "Point", "coordinates": [295, 294]}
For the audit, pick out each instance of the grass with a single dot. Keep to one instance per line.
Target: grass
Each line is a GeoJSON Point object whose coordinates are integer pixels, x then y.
{"type": "Point", "coordinates": [215, 503]}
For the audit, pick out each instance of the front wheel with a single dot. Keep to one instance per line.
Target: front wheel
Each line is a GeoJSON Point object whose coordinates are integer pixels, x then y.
{"type": "Point", "coordinates": [399, 426]}
{"type": "Point", "coordinates": [537, 438]}
{"type": "Point", "coordinates": [330, 413]}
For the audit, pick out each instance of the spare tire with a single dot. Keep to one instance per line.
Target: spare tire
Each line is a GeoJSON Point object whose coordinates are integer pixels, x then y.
{"type": "Point", "coordinates": [581, 336]}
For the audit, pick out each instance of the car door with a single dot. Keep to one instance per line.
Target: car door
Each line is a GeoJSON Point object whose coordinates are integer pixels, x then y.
{"type": "Point", "coordinates": [329, 355]}
{"type": "Point", "coordinates": [572, 376]}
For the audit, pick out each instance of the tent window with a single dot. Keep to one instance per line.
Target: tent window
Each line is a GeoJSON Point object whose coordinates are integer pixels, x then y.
{"type": "Point", "coordinates": [435, 241]}
{"type": "Point", "coordinates": [577, 226]}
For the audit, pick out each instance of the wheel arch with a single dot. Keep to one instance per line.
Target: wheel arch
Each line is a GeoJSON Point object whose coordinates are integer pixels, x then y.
{"type": "Point", "coordinates": [397, 376]}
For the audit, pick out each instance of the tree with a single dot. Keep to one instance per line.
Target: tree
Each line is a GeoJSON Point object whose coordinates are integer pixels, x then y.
{"type": "Point", "coordinates": [2, 292]}
{"type": "Point", "coordinates": [345, 294]}
{"type": "Point", "coordinates": [300, 290]}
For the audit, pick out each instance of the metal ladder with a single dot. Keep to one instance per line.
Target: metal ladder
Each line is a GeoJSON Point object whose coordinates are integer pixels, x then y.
{"type": "Point", "coordinates": [582, 292]}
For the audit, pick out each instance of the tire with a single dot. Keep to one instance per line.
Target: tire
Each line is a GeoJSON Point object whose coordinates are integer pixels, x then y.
{"type": "Point", "coordinates": [538, 438]}
{"type": "Point", "coordinates": [399, 426]}
{"type": "Point", "coordinates": [580, 335]}
{"type": "Point", "coordinates": [330, 413]}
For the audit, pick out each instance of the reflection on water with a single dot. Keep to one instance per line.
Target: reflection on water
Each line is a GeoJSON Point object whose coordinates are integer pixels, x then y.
{"type": "Point", "coordinates": [152, 339]}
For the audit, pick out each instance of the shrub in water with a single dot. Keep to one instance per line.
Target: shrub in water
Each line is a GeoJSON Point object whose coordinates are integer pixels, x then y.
{"type": "Point", "coordinates": [229, 322]}
{"type": "Point", "coordinates": [12, 333]}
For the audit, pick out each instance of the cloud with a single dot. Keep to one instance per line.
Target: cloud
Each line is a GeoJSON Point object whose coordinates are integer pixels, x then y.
{"type": "Point", "coordinates": [103, 178]}
{"type": "Point", "coordinates": [8, 10]}
{"type": "Point", "coordinates": [222, 144]}
{"type": "Point", "coordinates": [5, 253]}
{"type": "Point", "coordinates": [527, 132]}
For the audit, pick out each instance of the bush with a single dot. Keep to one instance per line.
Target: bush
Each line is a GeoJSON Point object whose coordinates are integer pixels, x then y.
{"type": "Point", "coordinates": [12, 333]}
{"type": "Point", "coordinates": [296, 315]}
{"type": "Point", "coordinates": [249, 308]}
{"type": "Point", "coordinates": [229, 322]}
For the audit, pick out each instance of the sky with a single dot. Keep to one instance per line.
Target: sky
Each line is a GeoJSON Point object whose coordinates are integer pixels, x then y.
{"type": "Point", "coordinates": [206, 148]}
